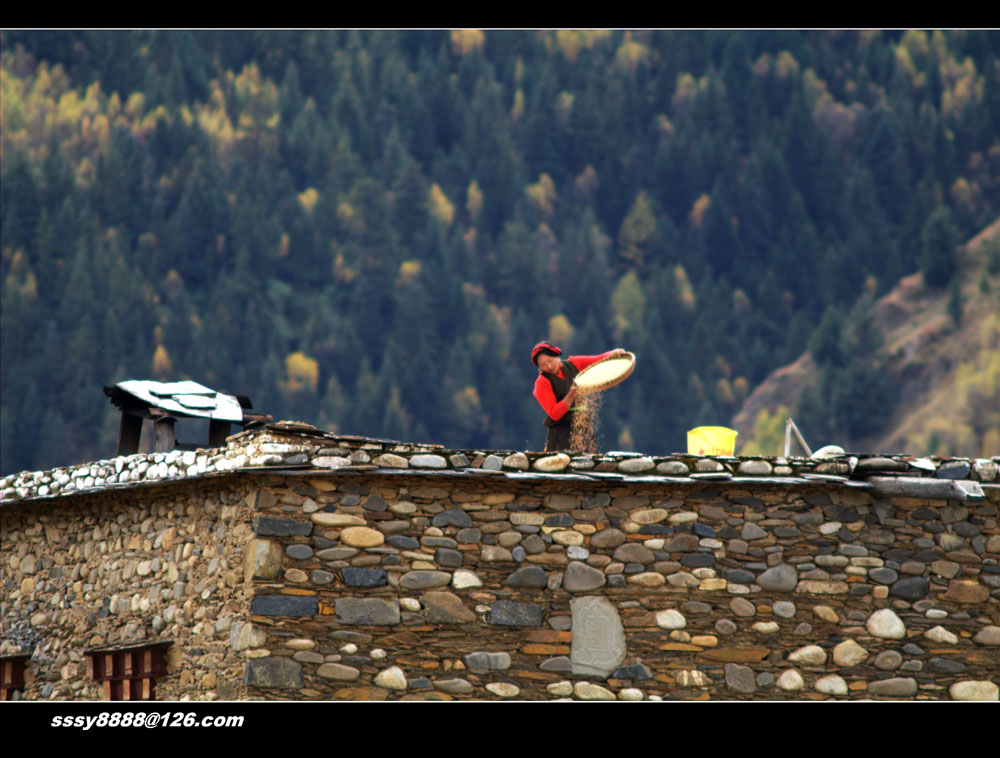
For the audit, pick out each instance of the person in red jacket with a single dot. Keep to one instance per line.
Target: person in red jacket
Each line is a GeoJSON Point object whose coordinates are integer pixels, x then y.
{"type": "Point", "coordinates": [555, 389]}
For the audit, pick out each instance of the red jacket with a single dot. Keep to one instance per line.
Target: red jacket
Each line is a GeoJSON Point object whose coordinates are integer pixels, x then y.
{"type": "Point", "coordinates": [543, 387]}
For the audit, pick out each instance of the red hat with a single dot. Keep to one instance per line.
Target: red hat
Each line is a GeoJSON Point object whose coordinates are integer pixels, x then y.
{"type": "Point", "coordinates": [542, 346]}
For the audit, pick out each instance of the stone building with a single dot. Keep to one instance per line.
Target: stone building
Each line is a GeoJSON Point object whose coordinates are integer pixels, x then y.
{"type": "Point", "coordinates": [293, 564]}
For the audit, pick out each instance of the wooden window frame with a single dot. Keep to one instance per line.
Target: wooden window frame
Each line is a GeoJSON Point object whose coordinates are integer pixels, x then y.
{"type": "Point", "coordinates": [12, 668]}
{"type": "Point", "coordinates": [128, 672]}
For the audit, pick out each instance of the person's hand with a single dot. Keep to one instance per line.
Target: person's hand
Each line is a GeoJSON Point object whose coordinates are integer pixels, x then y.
{"type": "Point", "coordinates": [571, 395]}
{"type": "Point", "coordinates": [618, 352]}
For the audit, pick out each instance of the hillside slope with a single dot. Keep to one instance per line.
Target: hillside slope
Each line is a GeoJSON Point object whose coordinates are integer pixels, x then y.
{"type": "Point", "coordinates": [946, 375]}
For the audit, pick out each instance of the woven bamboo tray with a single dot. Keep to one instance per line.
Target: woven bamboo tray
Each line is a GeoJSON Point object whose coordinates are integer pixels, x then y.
{"type": "Point", "coordinates": [599, 376]}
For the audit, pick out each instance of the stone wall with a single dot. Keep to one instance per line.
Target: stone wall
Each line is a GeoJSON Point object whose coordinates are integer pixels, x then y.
{"type": "Point", "coordinates": [128, 567]}
{"type": "Point", "coordinates": [479, 589]}
{"type": "Point", "coordinates": [301, 566]}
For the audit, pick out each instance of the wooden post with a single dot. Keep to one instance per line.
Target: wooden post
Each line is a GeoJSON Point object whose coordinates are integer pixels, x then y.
{"type": "Point", "coordinates": [164, 432]}
{"type": "Point", "coordinates": [129, 432]}
{"type": "Point", "coordinates": [217, 432]}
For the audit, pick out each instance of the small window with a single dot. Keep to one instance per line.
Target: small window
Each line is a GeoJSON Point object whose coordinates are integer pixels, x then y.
{"type": "Point", "coordinates": [128, 672]}
{"type": "Point", "coordinates": [12, 676]}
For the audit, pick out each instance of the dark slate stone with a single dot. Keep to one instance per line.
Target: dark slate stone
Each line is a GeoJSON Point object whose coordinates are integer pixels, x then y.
{"type": "Point", "coordinates": [296, 459]}
{"type": "Point", "coordinates": [729, 533]}
{"type": "Point", "coordinates": [321, 543]}
{"type": "Point", "coordinates": [508, 613]}
{"type": "Point", "coordinates": [469, 536]}
{"type": "Point", "coordinates": [740, 678]}
{"type": "Point", "coordinates": [911, 648]}
{"type": "Point", "coordinates": [299, 552]}
{"type": "Point", "coordinates": [953, 470]}
{"type": "Point", "coordinates": [531, 506]}
{"type": "Point", "coordinates": [695, 607]}
{"type": "Point", "coordinates": [988, 569]}
{"type": "Point", "coordinates": [966, 529]}
{"type": "Point", "coordinates": [616, 580]}
{"type": "Point", "coordinates": [364, 577]}
{"type": "Point", "coordinates": [841, 513]}
{"type": "Point", "coordinates": [402, 542]}
{"type": "Point", "coordinates": [275, 673]}
{"type": "Point", "coordinates": [420, 684]}
{"type": "Point", "coordinates": [807, 518]}
{"type": "Point", "coordinates": [739, 576]}
{"type": "Point", "coordinates": [934, 527]}
{"type": "Point", "coordinates": [439, 542]}
{"type": "Point", "coordinates": [375, 503]}
{"type": "Point", "coordinates": [636, 671]}
{"type": "Point", "coordinates": [528, 576]}
{"type": "Point", "coordinates": [845, 535]}
{"type": "Point", "coordinates": [945, 666]}
{"type": "Point", "coordinates": [448, 558]}
{"type": "Point", "coordinates": [927, 556]}
{"type": "Point", "coordinates": [898, 554]}
{"type": "Point", "coordinates": [452, 517]}
{"type": "Point", "coordinates": [750, 502]}
{"type": "Point", "coordinates": [351, 499]}
{"type": "Point", "coordinates": [366, 611]}
{"type": "Point", "coordinates": [872, 465]}
{"type": "Point", "coordinates": [391, 560]}
{"type": "Point", "coordinates": [600, 500]}
{"type": "Point", "coordinates": [559, 519]}
{"type": "Point", "coordinates": [655, 529]}
{"type": "Point", "coordinates": [883, 575]}
{"type": "Point", "coordinates": [697, 560]}
{"type": "Point", "coordinates": [786, 531]}
{"type": "Point", "coordinates": [634, 568]}
{"type": "Point", "coordinates": [329, 508]}
{"type": "Point", "coordinates": [268, 526]}
{"type": "Point", "coordinates": [911, 588]}
{"type": "Point", "coordinates": [818, 499]}
{"type": "Point", "coordinates": [518, 554]}
{"type": "Point", "coordinates": [703, 530]}
{"type": "Point", "coordinates": [353, 489]}
{"type": "Point", "coordinates": [358, 661]}
{"type": "Point", "coordinates": [284, 605]}
{"type": "Point", "coordinates": [558, 665]}
{"type": "Point", "coordinates": [924, 514]}
{"type": "Point", "coordinates": [856, 590]}
{"type": "Point", "coordinates": [318, 576]}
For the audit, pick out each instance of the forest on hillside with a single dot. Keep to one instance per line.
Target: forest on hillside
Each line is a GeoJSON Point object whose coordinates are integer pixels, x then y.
{"type": "Point", "coordinates": [368, 231]}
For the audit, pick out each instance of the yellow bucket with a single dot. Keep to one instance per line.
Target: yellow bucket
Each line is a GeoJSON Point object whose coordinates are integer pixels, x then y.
{"type": "Point", "coordinates": [711, 440]}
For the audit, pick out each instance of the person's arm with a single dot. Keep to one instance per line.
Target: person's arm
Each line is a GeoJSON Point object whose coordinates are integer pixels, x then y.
{"type": "Point", "coordinates": [583, 361]}
{"type": "Point", "coordinates": [547, 398]}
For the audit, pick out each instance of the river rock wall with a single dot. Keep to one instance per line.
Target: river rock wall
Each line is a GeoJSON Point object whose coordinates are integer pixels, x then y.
{"type": "Point", "coordinates": [310, 568]}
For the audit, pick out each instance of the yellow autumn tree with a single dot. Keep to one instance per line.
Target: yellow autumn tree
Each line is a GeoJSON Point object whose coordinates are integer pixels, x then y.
{"type": "Point", "coordinates": [440, 206]}
{"type": "Point", "coordinates": [542, 194]}
{"type": "Point", "coordinates": [638, 230]}
{"type": "Point", "coordinates": [628, 303]}
{"type": "Point", "coordinates": [162, 366]}
{"type": "Point", "coordinates": [301, 373]}
{"type": "Point", "coordinates": [307, 199]}
{"type": "Point", "coordinates": [473, 201]}
{"type": "Point", "coordinates": [464, 41]}
{"type": "Point", "coordinates": [560, 329]}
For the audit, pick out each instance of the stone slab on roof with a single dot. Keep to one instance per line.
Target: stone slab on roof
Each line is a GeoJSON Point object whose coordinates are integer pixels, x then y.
{"type": "Point", "coordinates": [299, 449]}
